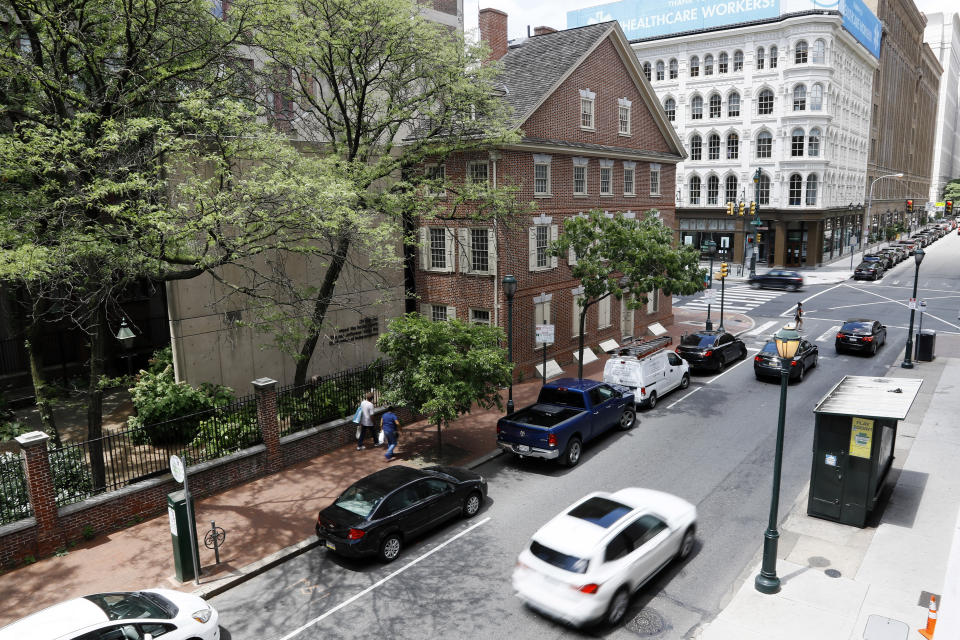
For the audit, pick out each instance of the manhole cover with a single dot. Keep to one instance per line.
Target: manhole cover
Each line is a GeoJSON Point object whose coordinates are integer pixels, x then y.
{"type": "Point", "coordinates": [647, 624]}
{"type": "Point", "coordinates": [832, 573]}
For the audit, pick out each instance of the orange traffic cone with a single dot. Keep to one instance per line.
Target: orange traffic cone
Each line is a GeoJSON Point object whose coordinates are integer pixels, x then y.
{"type": "Point", "coordinates": [931, 619]}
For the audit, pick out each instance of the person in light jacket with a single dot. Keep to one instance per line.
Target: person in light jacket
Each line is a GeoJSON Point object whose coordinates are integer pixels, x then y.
{"type": "Point", "coordinates": [366, 421]}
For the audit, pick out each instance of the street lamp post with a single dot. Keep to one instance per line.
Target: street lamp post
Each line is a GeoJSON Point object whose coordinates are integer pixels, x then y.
{"type": "Point", "coordinates": [867, 221]}
{"type": "Point", "coordinates": [711, 248]}
{"type": "Point", "coordinates": [756, 217]}
{"type": "Point", "coordinates": [787, 340]}
{"type": "Point", "coordinates": [125, 335]}
{"type": "Point", "coordinates": [907, 362]}
{"type": "Point", "coordinates": [509, 289]}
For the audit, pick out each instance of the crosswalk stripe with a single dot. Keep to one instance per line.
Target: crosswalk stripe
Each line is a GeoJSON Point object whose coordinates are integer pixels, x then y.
{"type": "Point", "coordinates": [826, 335]}
{"type": "Point", "coordinates": [756, 331]}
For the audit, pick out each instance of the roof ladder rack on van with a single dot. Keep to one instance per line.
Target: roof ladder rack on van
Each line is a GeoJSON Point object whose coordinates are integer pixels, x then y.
{"type": "Point", "coordinates": [644, 348]}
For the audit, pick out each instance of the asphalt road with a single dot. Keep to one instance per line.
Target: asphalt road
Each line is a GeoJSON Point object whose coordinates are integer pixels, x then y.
{"type": "Point", "coordinates": [711, 444]}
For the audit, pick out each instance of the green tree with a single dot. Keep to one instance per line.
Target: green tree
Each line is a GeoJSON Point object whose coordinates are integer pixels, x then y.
{"type": "Point", "coordinates": [440, 369]}
{"type": "Point", "coordinates": [951, 191]}
{"type": "Point", "coordinates": [620, 257]}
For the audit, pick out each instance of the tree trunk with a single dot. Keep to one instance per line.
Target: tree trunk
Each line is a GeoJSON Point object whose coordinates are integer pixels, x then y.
{"type": "Point", "coordinates": [40, 389]}
{"type": "Point", "coordinates": [320, 309]}
{"type": "Point", "coordinates": [95, 400]}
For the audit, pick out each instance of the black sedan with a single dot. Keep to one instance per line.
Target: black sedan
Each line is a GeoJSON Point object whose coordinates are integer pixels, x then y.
{"type": "Point", "coordinates": [382, 512]}
{"type": "Point", "coordinates": [767, 363]}
{"type": "Point", "coordinates": [868, 271]}
{"type": "Point", "coordinates": [710, 349]}
{"type": "Point", "coordinates": [777, 279]}
{"type": "Point", "coordinates": [861, 335]}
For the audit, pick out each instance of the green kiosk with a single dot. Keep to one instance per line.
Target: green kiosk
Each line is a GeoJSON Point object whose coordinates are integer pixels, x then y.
{"type": "Point", "coordinates": [855, 432]}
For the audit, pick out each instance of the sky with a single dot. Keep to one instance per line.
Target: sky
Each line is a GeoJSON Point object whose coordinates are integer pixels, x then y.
{"type": "Point", "coordinates": [553, 13]}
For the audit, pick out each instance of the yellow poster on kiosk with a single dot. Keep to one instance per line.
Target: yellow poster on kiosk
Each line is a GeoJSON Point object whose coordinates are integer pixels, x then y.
{"type": "Point", "coordinates": [861, 437]}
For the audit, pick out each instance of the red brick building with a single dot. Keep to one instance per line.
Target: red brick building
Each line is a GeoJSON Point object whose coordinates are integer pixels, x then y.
{"type": "Point", "coordinates": [593, 136]}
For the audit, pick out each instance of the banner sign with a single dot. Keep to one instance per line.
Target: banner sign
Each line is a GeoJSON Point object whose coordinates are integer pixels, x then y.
{"type": "Point", "coordinates": [862, 24]}
{"type": "Point", "coordinates": [861, 437]}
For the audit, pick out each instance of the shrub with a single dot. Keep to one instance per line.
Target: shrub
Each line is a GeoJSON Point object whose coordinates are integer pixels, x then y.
{"type": "Point", "coordinates": [71, 481]}
{"type": "Point", "coordinates": [226, 432]}
{"type": "Point", "coordinates": [13, 428]}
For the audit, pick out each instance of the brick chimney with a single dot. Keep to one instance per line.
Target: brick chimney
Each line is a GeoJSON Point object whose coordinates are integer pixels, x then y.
{"type": "Point", "coordinates": [542, 31]}
{"type": "Point", "coordinates": [493, 31]}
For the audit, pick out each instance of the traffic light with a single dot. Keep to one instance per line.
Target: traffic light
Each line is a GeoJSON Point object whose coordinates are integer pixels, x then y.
{"type": "Point", "coordinates": [749, 239]}
{"type": "Point", "coordinates": [723, 270]}
{"type": "Point", "coordinates": [743, 207]}
{"type": "Point", "coordinates": [909, 206]}
{"type": "Point", "coordinates": [753, 208]}
{"type": "Point", "coordinates": [729, 208]}
{"type": "Point", "coordinates": [948, 207]}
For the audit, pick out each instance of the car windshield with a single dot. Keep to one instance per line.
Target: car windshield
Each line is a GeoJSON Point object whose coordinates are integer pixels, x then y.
{"type": "Point", "coordinates": [600, 511]}
{"type": "Point", "coordinates": [698, 340]}
{"type": "Point", "coordinates": [557, 559]}
{"type": "Point", "coordinates": [860, 328]}
{"type": "Point", "coordinates": [127, 606]}
{"type": "Point", "coordinates": [360, 499]}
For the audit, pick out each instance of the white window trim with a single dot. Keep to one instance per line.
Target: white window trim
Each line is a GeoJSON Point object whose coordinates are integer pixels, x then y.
{"type": "Point", "coordinates": [591, 98]}
{"type": "Point", "coordinates": [542, 159]}
{"type": "Point", "coordinates": [465, 243]}
{"type": "Point", "coordinates": [654, 169]}
{"type": "Point", "coordinates": [603, 308]}
{"type": "Point", "coordinates": [489, 316]}
{"type": "Point", "coordinates": [580, 161]}
{"type": "Point", "coordinates": [425, 250]}
{"type": "Point", "coordinates": [632, 168]}
{"type": "Point", "coordinates": [426, 310]}
{"type": "Point", "coordinates": [623, 103]}
{"type": "Point", "coordinates": [471, 165]}
{"type": "Point", "coordinates": [576, 309]}
{"type": "Point", "coordinates": [443, 170]}
{"type": "Point", "coordinates": [552, 235]}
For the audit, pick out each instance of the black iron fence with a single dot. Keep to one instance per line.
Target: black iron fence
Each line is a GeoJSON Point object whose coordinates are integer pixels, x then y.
{"type": "Point", "coordinates": [328, 398]}
{"type": "Point", "coordinates": [14, 501]}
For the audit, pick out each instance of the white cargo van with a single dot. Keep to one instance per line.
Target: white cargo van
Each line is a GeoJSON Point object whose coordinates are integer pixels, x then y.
{"type": "Point", "coordinates": [651, 372]}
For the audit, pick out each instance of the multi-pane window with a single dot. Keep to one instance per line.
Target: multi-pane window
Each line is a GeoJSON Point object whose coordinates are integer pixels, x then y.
{"type": "Point", "coordinates": [715, 106]}
{"type": "Point", "coordinates": [661, 69]}
{"type": "Point", "coordinates": [541, 178]}
{"type": "Point", "coordinates": [738, 60]}
{"type": "Point", "coordinates": [816, 97]}
{"type": "Point", "coordinates": [646, 70]}
{"type": "Point", "coordinates": [694, 67]}
{"type": "Point", "coordinates": [730, 189]}
{"type": "Point", "coordinates": [478, 172]}
{"type": "Point", "coordinates": [603, 313]}
{"type": "Point", "coordinates": [813, 143]}
{"type": "Point", "coordinates": [436, 174]}
{"type": "Point", "coordinates": [763, 189]}
{"type": "Point", "coordinates": [696, 108]}
{"type": "Point", "coordinates": [708, 65]}
{"type": "Point", "coordinates": [765, 102]}
{"type": "Point", "coordinates": [438, 312]}
{"type": "Point", "coordinates": [713, 189]}
{"type": "Point", "coordinates": [606, 181]}
{"type": "Point", "coordinates": [654, 179]}
{"type": "Point", "coordinates": [800, 52]}
{"type": "Point", "coordinates": [713, 147]}
{"type": "Point", "coordinates": [819, 53]}
{"type": "Point", "coordinates": [773, 57]}
{"type": "Point", "coordinates": [586, 113]}
{"type": "Point", "coordinates": [653, 301]}
{"type": "Point", "coordinates": [579, 178]}
{"type": "Point", "coordinates": [812, 190]}
{"type": "Point", "coordinates": [623, 116]}
{"type": "Point", "coordinates": [796, 183]}
{"type": "Point", "coordinates": [543, 246]}
{"type": "Point", "coordinates": [733, 105]}
{"type": "Point", "coordinates": [799, 98]}
{"type": "Point", "coordinates": [629, 173]}
{"type": "Point", "coordinates": [438, 248]}
{"type": "Point", "coordinates": [480, 316]}
{"type": "Point", "coordinates": [670, 108]}
{"type": "Point", "coordinates": [479, 250]}
{"type": "Point", "coordinates": [733, 146]}
{"type": "Point", "coordinates": [694, 190]}
{"type": "Point", "coordinates": [764, 144]}
{"type": "Point", "coordinates": [723, 63]}
{"type": "Point", "coordinates": [674, 69]}
{"type": "Point", "coordinates": [760, 58]}
{"type": "Point", "coordinates": [696, 148]}
{"type": "Point", "coordinates": [796, 143]}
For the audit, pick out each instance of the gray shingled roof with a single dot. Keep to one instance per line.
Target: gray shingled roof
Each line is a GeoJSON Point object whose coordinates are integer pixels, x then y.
{"type": "Point", "coordinates": [532, 69]}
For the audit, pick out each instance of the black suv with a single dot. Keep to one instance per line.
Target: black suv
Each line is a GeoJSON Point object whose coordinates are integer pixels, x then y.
{"type": "Point", "coordinates": [711, 349]}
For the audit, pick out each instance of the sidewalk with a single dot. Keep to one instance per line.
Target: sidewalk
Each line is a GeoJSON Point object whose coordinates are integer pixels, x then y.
{"type": "Point", "coordinates": [270, 519]}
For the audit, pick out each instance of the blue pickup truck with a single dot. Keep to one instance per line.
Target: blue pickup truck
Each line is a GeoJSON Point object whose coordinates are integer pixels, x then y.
{"type": "Point", "coordinates": [568, 412]}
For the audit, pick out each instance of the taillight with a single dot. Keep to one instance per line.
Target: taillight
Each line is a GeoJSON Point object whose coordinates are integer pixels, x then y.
{"type": "Point", "coordinates": [757, 358]}
{"type": "Point", "coordinates": [499, 430]}
{"type": "Point", "coordinates": [868, 339]}
{"type": "Point", "coordinates": [676, 349]}
{"type": "Point", "coordinates": [356, 534]}
{"type": "Point", "coordinates": [793, 363]}
{"type": "Point", "coordinates": [839, 336]}
{"type": "Point", "coordinates": [552, 440]}
{"type": "Point", "coordinates": [708, 353]}
{"type": "Point", "coordinates": [643, 391]}
{"type": "Point", "coordinates": [589, 588]}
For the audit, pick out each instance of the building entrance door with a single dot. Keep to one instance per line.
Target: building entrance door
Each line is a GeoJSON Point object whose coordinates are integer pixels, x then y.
{"type": "Point", "coordinates": [793, 257]}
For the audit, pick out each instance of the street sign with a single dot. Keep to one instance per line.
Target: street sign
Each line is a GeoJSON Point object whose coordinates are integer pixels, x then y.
{"type": "Point", "coordinates": [913, 303]}
{"type": "Point", "coordinates": [756, 223]}
{"type": "Point", "coordinates": [545, 333]}
{"type": "Point", "coordinates": [176, 468]}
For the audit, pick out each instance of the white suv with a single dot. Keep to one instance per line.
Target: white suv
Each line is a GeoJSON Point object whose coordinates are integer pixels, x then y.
{"type": "Point", "coordinates": [650, 377]}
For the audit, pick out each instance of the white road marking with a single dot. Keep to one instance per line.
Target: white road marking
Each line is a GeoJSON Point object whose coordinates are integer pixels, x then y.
{"type": "Point", "coordinates": [376, 584]}
{"type": "Point", "coordinates": [758, 330]}
{"type": "Point", "coordinates": [746, 358]}
{"type": "Point", "coordinates": [670, 406]}
{"type": "Point", "coordinates": [790, 310]}
{"type": "Point", "coordinates": [826, 335]}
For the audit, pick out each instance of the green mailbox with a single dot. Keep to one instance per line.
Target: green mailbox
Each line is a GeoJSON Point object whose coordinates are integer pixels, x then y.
{"type": "Point", "coordinates": [183, 542]}
{"type": "Point", "coordinates": [854, 436]}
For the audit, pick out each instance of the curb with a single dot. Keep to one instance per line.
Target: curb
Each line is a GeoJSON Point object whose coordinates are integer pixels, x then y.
{"type": "Point", "coordinates": [263, 565]}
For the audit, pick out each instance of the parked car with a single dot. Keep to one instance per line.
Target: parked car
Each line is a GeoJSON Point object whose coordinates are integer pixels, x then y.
{"type": "Point", "coordinates": [122, 615]}
{"type": "Point", "coordinates": [896, 252]}
{"type": "Point", "coordinates": [584, 564]}
{"type": "Point", "coordinates": [868, 270]}
{"type": "Point", "coordinates": [767, 363]}
{"type": "Point", "coordinates": [861, 335]}
{"type": "Point", "coordinates": [568, 413]}
{"type": "Point", "coordinates": [379, 514]}
{"type": "Point", "coordinates": [650, 376]}
{"type": "Point", "coordinates": [907, 245]}
{"type": "Point", "coordinates": [777, 279]}
{"type": "Point", "coordinates": [884, 260]}
{"type": "Point", "coordinates": [711, 349]}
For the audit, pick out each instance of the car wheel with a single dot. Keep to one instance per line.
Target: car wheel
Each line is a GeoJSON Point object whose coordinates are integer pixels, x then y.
{"type": "Point", "coordinates": [721, 363]}
{"type": "Point", "coordinates": [574, 448]}
{"type": "Point", "coordinates": [755, 285]}
{"type": "Point", "coordinates": [791, 287]}
{"type": "Point", "coordinates": [686, 545]}
{"type": "Point", "coordinates": [652, 400]}
{"type": "Point", "coordinates": [800, 372]}
{"type": "Point", "coordinates": [390, 548]}
{"type": "Point", "coordinates": [743, 351]}
{"type": "Point", "coordinates": [685, 381]}
{"type": "Point", "coordinates": [617, 608]}
{"type": "Point", "coordinates": [627, 419]}
{"type": "Point", "coordinates": [472, 504]}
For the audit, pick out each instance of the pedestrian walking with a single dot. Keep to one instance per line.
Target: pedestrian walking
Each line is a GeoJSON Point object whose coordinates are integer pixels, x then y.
{"type": "Point", "coordinates": [798, 316]}
{"type": "Point", "coordinates": [391, 427]}
{"type": "Point", "coordinates": [366, 421]}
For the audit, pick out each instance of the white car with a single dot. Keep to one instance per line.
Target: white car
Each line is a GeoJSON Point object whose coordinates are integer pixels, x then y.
{"type": "Point", "coordinates": [584, 564]}
{"type": "Point", "coordinates": [650, 377]}
{"type": "Point", "coordinates": [127, 615]}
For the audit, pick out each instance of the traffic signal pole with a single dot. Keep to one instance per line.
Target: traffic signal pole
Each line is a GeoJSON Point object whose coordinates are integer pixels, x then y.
{"type": "Point", "coordinates": [723, 280]}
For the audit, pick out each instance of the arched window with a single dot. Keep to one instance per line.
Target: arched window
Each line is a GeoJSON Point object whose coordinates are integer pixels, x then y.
{"type": "Point", "coordinates": [773, 57]}
{"type": "Point", "coordinates": [796, 190]}
{"type": "Point", "coordinates": [696, 108]}
{"type": "Point", "coordinates": [660, 70]}
{"type": "Point", "coordinates": [694, 189]}
{"type": "Point", "coordinates": [713, 190]}
{"type": "Point", "coordinates": [730, 189]}
{"type": "Point", "coordinates": [764, 144]}
{"type": "Point", "coordinates": [813, 143]}
{"type": "Point", "coordinates": [760, 58]}
{"type": "Point", "coordinates": [674, 69]}
{"type": "Point", "coordinates": [800, 52]}
{"type": "Point", "coordinates": [694, 67]}
{"type": "Point", "coordinates": [812, 190]}
{"type": "Point", "coordinates": [799, 98]}
{"type": "Point", "coordinates": [646, 70]}
{"type": "Point", "coordinates": [763, 189]}
{"type": "Point", "coordinates": [713, 147]}
{"type": "Point", "coordinates": [696, 148]}
{"type": "Point", "coordinates": [737, 60]}
{"type": "Point", "coordinates": [816, 97]}
{"type": "Point", "coordinates": [733, 105]}
{"type": "Point", "coordinates": [796, 142]}
{"type": "Point", "coordinates": [723, 63]}
{"type": "Point", "coordinates": [765, 102]}
{"type": "Point", "coordinates": [708, 65]}
{"type": "Point", "coordinates": [733, 147]}
{"type": "Point", "coordinates": [670, 107]}
{"type": "Point", "coordinates": [819, 53]}
{"type": "Point", "coordinates": [715, 105]}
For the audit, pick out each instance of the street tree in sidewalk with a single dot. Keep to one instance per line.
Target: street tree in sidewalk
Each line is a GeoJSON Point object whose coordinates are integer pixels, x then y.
{"type": "Point", "coordinates": [951, 191]}
{"type": "Point", "coordinates": [441, 369]}
{"type": "Point", "coordinates": [627, 259]}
